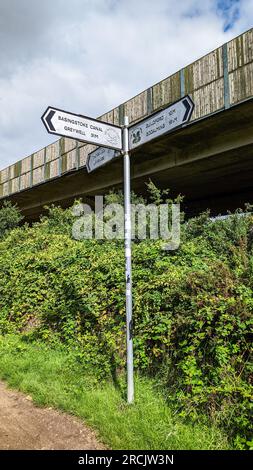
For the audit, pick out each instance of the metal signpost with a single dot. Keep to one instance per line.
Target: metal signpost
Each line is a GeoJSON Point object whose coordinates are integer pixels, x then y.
{"type": "Point", "coordinates": [123, 140]}
{"type": "Point", "coordinates": [128, 257]}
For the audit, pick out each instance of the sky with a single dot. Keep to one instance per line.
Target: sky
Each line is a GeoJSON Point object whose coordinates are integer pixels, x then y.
{"type": "Point", "coordinates": [88, 56]}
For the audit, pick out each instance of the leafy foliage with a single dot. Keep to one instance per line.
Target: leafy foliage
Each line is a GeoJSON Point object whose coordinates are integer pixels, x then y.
{"type": "Point", "coordinates": [192, 308]}
{"type": "Point", "coordinates": [52, 378]}
{"type": "Point", "coordinates": [10, 217]}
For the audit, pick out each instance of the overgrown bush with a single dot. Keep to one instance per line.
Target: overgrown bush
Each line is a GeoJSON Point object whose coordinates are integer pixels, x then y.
{"type": "Point", "coordinates": [192, 308]}
{"type": "Point", "coordinates": [10, 217]}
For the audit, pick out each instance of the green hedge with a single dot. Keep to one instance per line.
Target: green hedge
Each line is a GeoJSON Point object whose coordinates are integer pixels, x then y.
{"type": "Point", "coordinates": [192, 308]}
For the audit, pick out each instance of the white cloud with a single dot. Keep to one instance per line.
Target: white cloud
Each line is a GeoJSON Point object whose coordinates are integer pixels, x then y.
{"type": "Point", "coordinates": [87, 57]}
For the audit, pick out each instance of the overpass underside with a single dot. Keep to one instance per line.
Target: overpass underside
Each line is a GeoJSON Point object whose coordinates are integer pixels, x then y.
{"type": "Point", "coordinates": [209, 162]}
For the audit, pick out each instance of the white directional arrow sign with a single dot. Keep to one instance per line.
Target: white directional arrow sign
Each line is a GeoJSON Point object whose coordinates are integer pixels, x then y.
{"type": "Point", "coordinates": [100, 157]}
{"type": "Point", "coordinates": [82, 128]}
{"type": "Point", "coordinates": [161, 122]}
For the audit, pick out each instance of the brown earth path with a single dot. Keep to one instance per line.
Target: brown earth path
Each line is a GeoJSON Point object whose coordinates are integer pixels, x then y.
{"type": "Point", "coordinates": [26, 426]}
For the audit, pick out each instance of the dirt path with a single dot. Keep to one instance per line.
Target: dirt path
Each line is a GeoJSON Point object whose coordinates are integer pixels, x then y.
{"type": "Point", "coordinates": [25, 426]}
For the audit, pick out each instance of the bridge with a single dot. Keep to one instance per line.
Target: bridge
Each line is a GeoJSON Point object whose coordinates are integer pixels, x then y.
{"type": "Point", "coordinates": [209, 160]}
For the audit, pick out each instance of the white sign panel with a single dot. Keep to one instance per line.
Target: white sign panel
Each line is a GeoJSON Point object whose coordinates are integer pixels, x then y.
{"type": "Point", "coordinates": [100, 157]}
{"type": "Point", "coordinates": [82, 128]}
{"type": "Point", "coordinates": [161, 122]}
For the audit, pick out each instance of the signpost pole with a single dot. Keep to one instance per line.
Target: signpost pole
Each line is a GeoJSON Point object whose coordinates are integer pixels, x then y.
{"type": "Point", "coordinates": [128, 256]}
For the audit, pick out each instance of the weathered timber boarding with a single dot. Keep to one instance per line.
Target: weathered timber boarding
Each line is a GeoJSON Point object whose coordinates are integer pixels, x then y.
{"type": "Point", "coordinates": [165, 92]}
{"type": "Point", "coordinates": [219, 80]}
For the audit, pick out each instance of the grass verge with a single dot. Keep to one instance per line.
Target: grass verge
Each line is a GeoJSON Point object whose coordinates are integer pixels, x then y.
{"type": "Point", "coordinates": [51, 377]}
